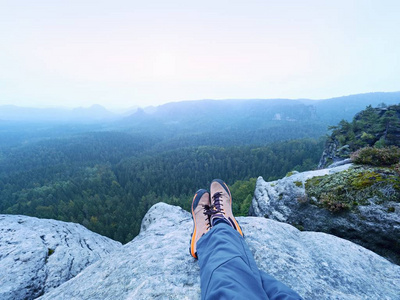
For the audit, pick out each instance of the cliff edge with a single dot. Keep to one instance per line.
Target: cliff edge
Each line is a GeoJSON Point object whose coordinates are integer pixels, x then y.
{"type": "Point", "coordinates": [357, 203]}
{"type": "Point", "coordinates": [157, 265]}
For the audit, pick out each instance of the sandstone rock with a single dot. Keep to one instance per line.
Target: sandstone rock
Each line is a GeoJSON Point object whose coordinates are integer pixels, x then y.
{"type": "Point", "coordinates": [154, 265]}
{"type": "Point", "coordinates": [276, 199]}
{"type": "Point", "coordinates": [329, 154]}
{"type": "Point", "coordinates": [37, 255]}
{"type": "Point", "coordinates": [157, 264]}
{"type": "Point", "coordinates": [340, 163]}
{"type": "Point", "coordinates": [370, 225]}
{"type": "Point", "coordinates": [332, 156]}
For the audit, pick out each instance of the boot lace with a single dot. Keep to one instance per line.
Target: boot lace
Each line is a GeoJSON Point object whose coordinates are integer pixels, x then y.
{"type": "Point", "coordinates": [207, 211]}
{"type": "Point", "coordinates": [216, 208]}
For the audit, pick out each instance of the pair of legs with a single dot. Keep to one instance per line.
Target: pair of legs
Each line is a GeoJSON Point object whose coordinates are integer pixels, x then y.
{"type": "Point", "coordinates": [227, 267]}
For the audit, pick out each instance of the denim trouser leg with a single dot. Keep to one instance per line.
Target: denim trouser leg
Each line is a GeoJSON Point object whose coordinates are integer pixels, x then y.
{"type": "Point", "coordinates": [228, 269]}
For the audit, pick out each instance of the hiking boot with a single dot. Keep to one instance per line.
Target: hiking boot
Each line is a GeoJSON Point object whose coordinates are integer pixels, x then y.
{"type": "Point", "coordinates": [201, 218]}
{"type": "Point", "coordinates": [221, 205]}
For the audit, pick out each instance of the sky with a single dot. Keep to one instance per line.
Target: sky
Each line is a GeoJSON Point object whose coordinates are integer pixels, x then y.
{"type": "Point", "coordinates": [126, 53]}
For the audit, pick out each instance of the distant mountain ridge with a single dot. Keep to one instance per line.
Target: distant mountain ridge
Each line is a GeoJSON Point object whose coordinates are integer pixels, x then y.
{"type": "Point", "coordinates": [334, 110]}
{"type": "Point", "coordinates": [255, 121]}
{"type": "Point", "coordinates": [32, 114]}
{"type": "Point", "coordinates": [232, 122]}
{"type": "Point", "coordinates": [329, 111]}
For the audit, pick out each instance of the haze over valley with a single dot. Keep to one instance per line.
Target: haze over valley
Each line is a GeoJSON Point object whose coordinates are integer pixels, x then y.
{"type": "Point", "coordinates": [104, 170]}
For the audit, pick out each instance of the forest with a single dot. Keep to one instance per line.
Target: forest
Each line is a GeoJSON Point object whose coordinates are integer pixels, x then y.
{"type": "Point", "coordinates": [107, 180]}
{"type": "Point", "coordinates": [106, 177]}
{"type": "Point", "coordinates": [378, 127]}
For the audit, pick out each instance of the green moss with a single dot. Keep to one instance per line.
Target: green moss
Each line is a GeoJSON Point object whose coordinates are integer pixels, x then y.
{"type": "Point", "coordinates": [298, 183]}
{"type": "Point", "coordinates": [374, 156]}
{"type": "Point", "coordinates": [366, 179]}
{"type": "Point", "coordinates": [49, 253]}
{"type": "Point", "coordinates": [290, 173]}
{"type": "Point", "coordinates": [333, 202]}
{"type": "Point", "coordinates": [348, 189]}
{"type": "Point", "coordinates": [299, 227]}
{"type": "Point", "coordinates": [314, 181]}
{"type": "Point", "coordinates": [391, 209]}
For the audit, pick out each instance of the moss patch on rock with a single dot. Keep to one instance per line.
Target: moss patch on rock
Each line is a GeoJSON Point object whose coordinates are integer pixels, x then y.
{"type": "Point", "coordinates": [355, 186]}
{"type": "Point", "coordinates": [298, 183]}
{"type": "Point", "coordinates": [291, 173]}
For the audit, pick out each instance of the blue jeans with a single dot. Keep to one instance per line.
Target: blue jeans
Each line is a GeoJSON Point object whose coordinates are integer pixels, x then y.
{"type": "Point", "coordinates": [228, 270]}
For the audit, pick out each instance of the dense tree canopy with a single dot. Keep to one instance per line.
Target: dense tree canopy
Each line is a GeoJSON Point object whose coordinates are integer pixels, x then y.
{"type": "Point", "coordinates": [377, 127]}
{"type": "Point", "coordinates": [108, 180]}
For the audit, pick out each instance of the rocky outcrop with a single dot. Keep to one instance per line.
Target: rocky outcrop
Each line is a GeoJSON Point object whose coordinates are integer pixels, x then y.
{"type": "Point", "coordinates": [37, 255]}
{"type": "Point", "coordinates": [157, 264]}
{"type": "Point", "coordinates": [329, 153]}
{"type": "Point", "coordinates": [371, 218]}
{"type": "Point", "coordinates": [334, 154]}
{"type": "Point", "coordinates": [377, 127]}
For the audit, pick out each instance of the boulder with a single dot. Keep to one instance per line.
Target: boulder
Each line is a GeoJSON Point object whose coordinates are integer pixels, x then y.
{"type": "Point", "coordinates": [37, 255]}
{"type": "Point", "coordinates": [374, 222]}
{"type": "Point", "coordinates": [156, 264]}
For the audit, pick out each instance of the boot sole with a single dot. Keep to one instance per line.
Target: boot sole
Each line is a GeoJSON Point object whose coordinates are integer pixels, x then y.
{"type": "Point", "coordinates": [195, 202]}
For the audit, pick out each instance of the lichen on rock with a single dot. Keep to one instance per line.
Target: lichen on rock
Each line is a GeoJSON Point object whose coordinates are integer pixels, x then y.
{"type": "Point", "coordinates": [353, 187]}
{"type": "Point", "coordinates": [358, 203]}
